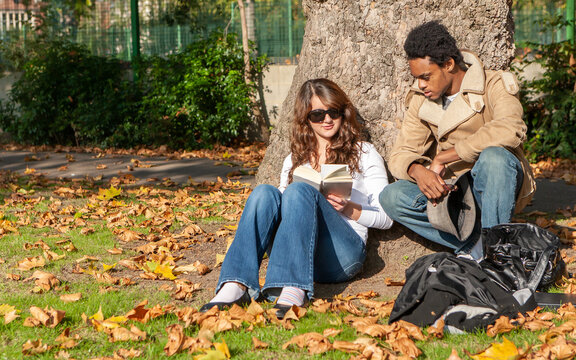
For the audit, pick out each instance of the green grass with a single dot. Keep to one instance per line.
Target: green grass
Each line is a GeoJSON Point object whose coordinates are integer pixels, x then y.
{"type": "Point", "coordinates": [122, 299]}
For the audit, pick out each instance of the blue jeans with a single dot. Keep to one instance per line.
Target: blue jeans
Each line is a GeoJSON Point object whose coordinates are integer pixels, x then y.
{"type": "Point", "coordinates": [306, 239]}
{"type": "Point", "coordinates": [496, 178]}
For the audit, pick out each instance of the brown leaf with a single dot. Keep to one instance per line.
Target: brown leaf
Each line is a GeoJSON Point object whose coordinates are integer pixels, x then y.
{"type": "Point", "coordinates": [115, 251]}
{"type": "Point", "coordinates": [34, 347]}
{"type": "Point", "coordinates": [501, 326]}
{"type": "Point", "coordinates": [47, 317]}
{"type": "Point", "coordinates": [257, 344]}
{"type": "Point", "coordinates": [535, 325]}
{"type": "Point", "coordinates": [130, 235]}
{"type": "Point", "coordinates": [390, 282]}
{"type": "Point", "coordinates": [87, 258]}
{"type": "Point", "coordinates": [44, 280]}
{"type": "Point", "coordinates": [87, 230]}
{"type": "Point", "coordinates": [31, 262]}
{"type": "Point", "coordinates": [454, 355]}
{"type": "Point", "coordinates": [127, 354]}
{"type": "Point", "coordinates": [379, 308]}
{"type": "Point", "coordinates": [175, 339]}
{"type": "Point", "coordinates": [201, 268]}
{"type": "Point", "coordinates": [66, 341]}
{"type": "Point", "coordinates": [367, 294]}
{"type": "Point", "coordinates": [123, 334]}
{"type": "Point", "coordinates": [315, 342]}
{"type": "Point", "coordinates": [331, 332]}
{"type": "Point", "coordinates": [412, 330]}
{"type": "Point", "coordinates": [405, 346]}
{"type": "Point", "coordinates": [14, 277]}
{"type": "Point", "coordinates": [11, 316]}
{"type": "Point", "coordinates": [347, 346]}
{"type": "Point", "coordinates": [52, 256]}
{"type": "Point", "coordinates": [184, 290]}
{"type": "Point", "coordinates": [71, 297]}
{"type": "Point", "coordinates": [438, 330]}
{"type": "Point", "coordinates": [562, 349]}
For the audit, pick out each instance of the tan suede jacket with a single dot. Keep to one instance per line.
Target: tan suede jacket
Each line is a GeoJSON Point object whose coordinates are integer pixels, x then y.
{"type": "Point", "coordinates": [485, 113]}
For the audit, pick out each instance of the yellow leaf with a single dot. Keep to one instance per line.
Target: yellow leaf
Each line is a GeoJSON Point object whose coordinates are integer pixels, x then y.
{"type": "Point", "coordinates": [107, 267]}
{"type": "Point", "coordinates": [164, 270]}
{"type": "Point", "coordinates": [223, 348]}
{"type": "Point", "coordinates": [98, 316]}
{"type": "Point", "coordinates": [7, 225]}
{"type": "Point", "coordinates": [5, 309]}
{"type": "Point", "coordinates": [219, 259]}
{"type": "Point", "coordinates": [506, 350]}
{"type": "Point", "coordinates": [108, 194]}
{"type": "Point", "coordinates": [118, 319]}
{"type": "Point", "coordinates": [211, 355]}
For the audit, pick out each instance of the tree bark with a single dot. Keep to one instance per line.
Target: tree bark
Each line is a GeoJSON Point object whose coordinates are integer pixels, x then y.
{"type": "Point", "coordinates": [245, 46]}
{"type": "Point", "coordinates": [260, 129]}
{"type": "Point", "coordinates": [359, 45]}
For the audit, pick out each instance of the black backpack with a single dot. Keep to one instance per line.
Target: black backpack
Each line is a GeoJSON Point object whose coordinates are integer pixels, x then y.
{"type": "Point", "coordinates": [458, 288]}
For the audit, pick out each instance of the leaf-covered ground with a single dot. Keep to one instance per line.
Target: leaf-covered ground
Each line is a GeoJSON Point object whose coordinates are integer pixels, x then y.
{"type": "Point", "coordinates": [114, 270]}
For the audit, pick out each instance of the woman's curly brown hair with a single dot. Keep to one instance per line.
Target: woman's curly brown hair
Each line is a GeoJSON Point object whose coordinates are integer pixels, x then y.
{"type": "Point", "coordinates": [344, 147]}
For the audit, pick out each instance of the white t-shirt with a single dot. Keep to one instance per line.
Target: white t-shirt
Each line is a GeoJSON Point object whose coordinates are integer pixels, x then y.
{"type": "Point", "coordinates": [447, 100]}
{"type": "Point", "coordinates": [366, 187]}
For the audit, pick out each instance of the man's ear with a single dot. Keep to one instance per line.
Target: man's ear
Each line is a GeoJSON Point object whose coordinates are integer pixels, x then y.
{"type": "Point", "coordinates": [449, 65]}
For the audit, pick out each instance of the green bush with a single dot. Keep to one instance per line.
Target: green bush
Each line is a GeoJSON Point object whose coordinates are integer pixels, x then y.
{"type": "Point", "coordinates": [68, 96]}
{"type": "Point", "coordinates": [192, 99]}
{"type": "Point", "coordinates": [550, 101]}
{"type": "Point", "coordinates": [199, 97]}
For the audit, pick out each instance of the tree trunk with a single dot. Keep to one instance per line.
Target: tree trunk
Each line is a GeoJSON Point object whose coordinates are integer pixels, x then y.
{"type": "Point", "coordinates": [359, 45]}
{"type": "Point", "coordinates": [250, 18]}
{"type": "Point", "coordinates": [260, 129]}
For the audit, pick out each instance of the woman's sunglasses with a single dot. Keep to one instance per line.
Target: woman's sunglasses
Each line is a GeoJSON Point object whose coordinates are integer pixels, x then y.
{"type": "Point", "coordinates": [317, 116]}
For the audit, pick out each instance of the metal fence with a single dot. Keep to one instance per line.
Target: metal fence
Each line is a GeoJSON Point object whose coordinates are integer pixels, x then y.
{"type": "Point", "coordinates": [529, 26]}
{"type": "Point", "coordinates": [279, 26]}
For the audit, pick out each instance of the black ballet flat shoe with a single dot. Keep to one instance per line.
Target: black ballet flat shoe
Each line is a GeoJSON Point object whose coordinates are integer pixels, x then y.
{"type": "Point", "coordinates": [281, 310]}
{"type": "Point", "coordinates": [242, 301]}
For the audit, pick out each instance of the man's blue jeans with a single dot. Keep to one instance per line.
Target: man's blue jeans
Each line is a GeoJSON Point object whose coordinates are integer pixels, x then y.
{"type": "Point", "coordinates": [306, 239]}
{"type": "Point", "coordinates": [496, 179]}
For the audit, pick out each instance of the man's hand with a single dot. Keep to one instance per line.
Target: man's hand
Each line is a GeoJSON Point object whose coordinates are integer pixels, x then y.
{"type": "Point", "coordinates": [429, 182]}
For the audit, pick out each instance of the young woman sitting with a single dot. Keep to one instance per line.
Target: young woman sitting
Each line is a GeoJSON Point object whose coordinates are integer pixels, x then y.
{"type": "Point", "coordinates": [308, 236]}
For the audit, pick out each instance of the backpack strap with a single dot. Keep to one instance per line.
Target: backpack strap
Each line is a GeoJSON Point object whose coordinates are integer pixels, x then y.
{"type": "Point", "coordinates": [540, 268]}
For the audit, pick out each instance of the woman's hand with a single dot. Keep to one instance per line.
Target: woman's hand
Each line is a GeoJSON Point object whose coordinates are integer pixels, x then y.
{"type": "Point", "coordinates": [346, 207]}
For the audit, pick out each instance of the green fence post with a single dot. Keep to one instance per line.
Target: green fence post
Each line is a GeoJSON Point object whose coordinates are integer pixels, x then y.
{"type": "Point", "coordinates": [290, 35]}
{"type": "Point", "coordinates": [570, 19]}
{"type": "Point", "coordinates": [135, 18]}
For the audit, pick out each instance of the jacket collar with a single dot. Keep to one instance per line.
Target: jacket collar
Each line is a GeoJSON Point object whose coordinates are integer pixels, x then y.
{"type": "Point", "coordinates": [463, 107]}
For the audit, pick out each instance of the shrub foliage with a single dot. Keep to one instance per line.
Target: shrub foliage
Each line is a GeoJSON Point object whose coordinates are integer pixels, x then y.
{"type": "Point", "coordinates": [192, 99]}
{"type": "Point", "coordinates": [550, 101]}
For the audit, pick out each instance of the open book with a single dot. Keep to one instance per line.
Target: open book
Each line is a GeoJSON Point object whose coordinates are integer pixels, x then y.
{"type": "Point", "coordinates": [332, 179]}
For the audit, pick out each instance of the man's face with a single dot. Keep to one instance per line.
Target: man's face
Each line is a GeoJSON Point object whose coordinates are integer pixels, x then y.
{"type": "Point", "coordinates": [433, 80]}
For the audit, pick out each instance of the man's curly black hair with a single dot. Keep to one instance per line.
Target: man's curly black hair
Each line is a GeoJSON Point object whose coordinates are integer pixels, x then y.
{"type": "Point", "coordinates": [432, 39]}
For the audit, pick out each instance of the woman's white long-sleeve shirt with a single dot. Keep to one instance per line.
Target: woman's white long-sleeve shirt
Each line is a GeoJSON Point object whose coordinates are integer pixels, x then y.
{"type": "Point", "coordinates": [366, 187]}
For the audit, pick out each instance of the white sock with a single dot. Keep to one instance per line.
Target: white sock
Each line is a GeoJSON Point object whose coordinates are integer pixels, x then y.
{"type": "Point", "coordinates": [291, 296]}
{"type": "Point", "coordinates": [228, 293]}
